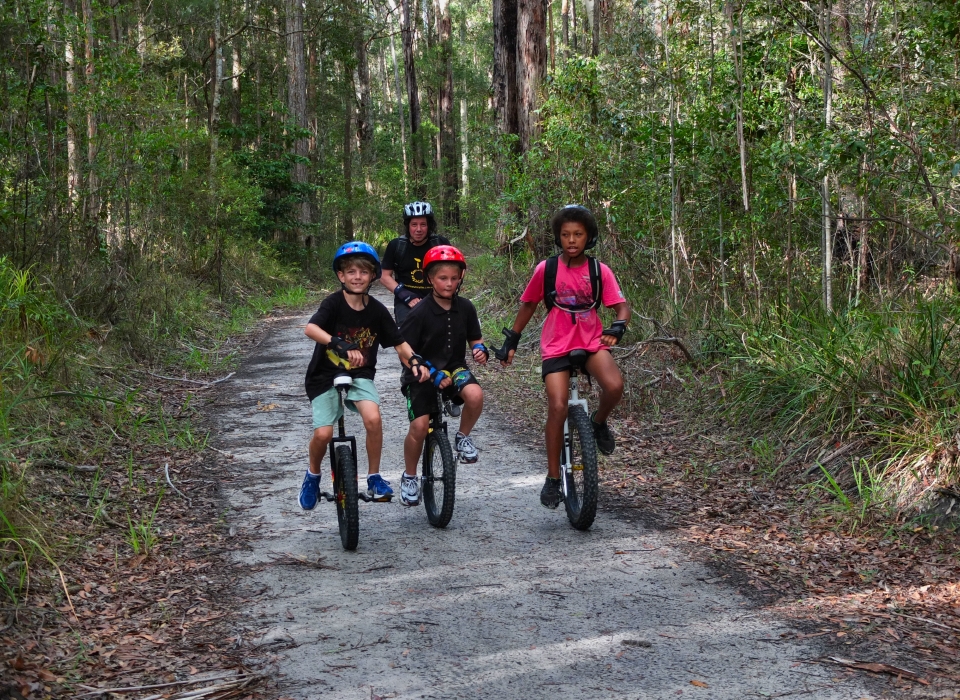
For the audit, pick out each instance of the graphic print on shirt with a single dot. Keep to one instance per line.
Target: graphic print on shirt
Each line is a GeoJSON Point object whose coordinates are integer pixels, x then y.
{"type": "Point", "coordinates": [572, 298]}
{"type": "Point", "coordinates": [363, 337]}
{"type": "Point", "coordinates": [416, 274]}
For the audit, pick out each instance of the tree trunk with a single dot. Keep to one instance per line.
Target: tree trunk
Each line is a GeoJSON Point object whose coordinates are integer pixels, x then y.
{"type": "Point", "coordinates": [565, 23]}
{"type": "Point", "coordinates": [736, 42]}
{"type": "Point", "coordinates": [403, 120]}
{"type": "Point", "coordinates": [236, 70]}
{"type": "Point", "coordinates": [297, 108]}
{"type": "Point", "coordinates": [550, 34]}
{"type": "Point", "coordinates": [348, 135]}
{"type": "Point", "coordinates": [827, 238]}
{"type": "Point", "coordinates": [464, 125]}
{"type": "Point", "coordinates": [70, 77]}
{"type": "Point", "coordinates": [592, 10]}
{"type": "Point", "coordinates": [413, 97]}
{"type": "Point", "coordinates": [448, 134]}
{"type": "Point", "coordinates": [531, 66]}
{"type": "Point", "coordinates": [365, 116]}
{"type": "Point", "coordinates": [505, 65]}
{"type": "Point", "coordinates": [213, 116]}
{"type": "Point", "coordinates": [93, 194]}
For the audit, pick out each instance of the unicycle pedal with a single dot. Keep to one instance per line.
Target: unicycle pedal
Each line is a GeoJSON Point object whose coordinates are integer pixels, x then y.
{"type": "Point", "coordinates": [327, 496]}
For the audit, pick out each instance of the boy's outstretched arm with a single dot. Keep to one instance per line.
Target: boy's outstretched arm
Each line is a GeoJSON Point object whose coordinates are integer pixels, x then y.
{"type": "Point", "coordinates": [318, 335]}
{"type": "Point", "coordinates": [613, 335]}
{"type": "Point", "coordinates": [406, 352]}
{"type": "Point", "coordinates": [520, 322]}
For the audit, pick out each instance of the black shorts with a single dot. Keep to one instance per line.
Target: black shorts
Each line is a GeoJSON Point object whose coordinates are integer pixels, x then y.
{"type": "Point", "coordinates": [561, 364]}
{"type": "Point", "coordinates": [422, 397]}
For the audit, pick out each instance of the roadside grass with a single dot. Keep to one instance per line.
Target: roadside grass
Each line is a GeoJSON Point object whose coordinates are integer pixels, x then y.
{"type": "Point", "coordinates": [78, 395]}
{"type": "Point", "coordinates": [883, 382]}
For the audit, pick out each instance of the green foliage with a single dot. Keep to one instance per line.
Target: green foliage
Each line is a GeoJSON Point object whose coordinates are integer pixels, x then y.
{"type": "Point", "coordinates": [886, 377]}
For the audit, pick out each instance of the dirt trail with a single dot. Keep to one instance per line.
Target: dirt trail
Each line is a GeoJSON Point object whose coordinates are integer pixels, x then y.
{"type": "Point", "coordinates": [508, 602]}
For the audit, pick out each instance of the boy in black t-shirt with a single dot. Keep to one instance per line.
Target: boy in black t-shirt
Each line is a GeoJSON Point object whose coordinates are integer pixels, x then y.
{"type": "Point", "coordinates": [403, 258]}
{"type": "Point", "coordinates": [348, 328]}
{"type": "Point", "coordinates": [438, 329]}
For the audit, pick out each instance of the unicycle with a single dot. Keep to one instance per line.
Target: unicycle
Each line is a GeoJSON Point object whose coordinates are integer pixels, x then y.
{"type": "Point", "coordinates": [343, 470]}
{"type": "Point", "coordinates": [579, 475]}
{"type": "Point", "coordinates": [439, 468]}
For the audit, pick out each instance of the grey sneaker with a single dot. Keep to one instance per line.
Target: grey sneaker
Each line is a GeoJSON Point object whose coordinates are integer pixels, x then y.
{"type": "Point", "coordinates": [466, 449]}
{"type": "Point", "coordinates": [409, 490]}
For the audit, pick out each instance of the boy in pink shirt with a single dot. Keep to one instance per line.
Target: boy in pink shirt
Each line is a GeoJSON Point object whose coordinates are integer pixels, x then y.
{"type": "Point", "coordinates": [572, 324]}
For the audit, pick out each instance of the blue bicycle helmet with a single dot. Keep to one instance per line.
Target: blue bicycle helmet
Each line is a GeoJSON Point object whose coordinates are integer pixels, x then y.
{"type": "Point", "coordinates": [357, 248]}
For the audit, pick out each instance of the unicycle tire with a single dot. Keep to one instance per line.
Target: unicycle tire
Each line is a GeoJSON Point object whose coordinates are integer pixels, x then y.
{"type": "Point", "coordinates": [439, 479]}
{"type": "Point", "coordinates": [582, 484]}
{"type": "Point", "coordinates": [345, 492]}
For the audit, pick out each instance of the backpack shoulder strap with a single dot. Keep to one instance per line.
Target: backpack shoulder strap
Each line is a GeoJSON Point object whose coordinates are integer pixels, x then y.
{"type": "Point", "coordinates": [401, 250]}
{"type": "Point", "coordinates": [550, 281]}
{"type": "Point", "coordinates": [596, 282]}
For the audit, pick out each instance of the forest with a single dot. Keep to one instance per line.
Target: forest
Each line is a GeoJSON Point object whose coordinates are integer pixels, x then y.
{"type": "Point", "coordinates": [776, 184]}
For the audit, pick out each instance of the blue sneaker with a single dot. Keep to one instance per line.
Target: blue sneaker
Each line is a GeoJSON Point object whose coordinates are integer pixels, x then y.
{"type": "Point", "coordinates": [310, 491]}
{"type": "Point", "coordinates": [378, 488]}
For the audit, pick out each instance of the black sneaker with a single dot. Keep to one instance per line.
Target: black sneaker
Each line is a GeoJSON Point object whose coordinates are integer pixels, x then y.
{"type": "Point", "coordinates": [550, 494]}
{"type": "Point", "coordinates": [601, 433]}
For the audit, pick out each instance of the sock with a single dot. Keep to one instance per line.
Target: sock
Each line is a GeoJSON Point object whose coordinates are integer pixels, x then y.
{"type": "Point", "coordinates": [312, 475]}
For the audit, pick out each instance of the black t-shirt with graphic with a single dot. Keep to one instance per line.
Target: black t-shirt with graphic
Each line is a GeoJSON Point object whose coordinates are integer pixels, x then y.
{"type": "Point", "coordinates": [371, 329]}
{"type": "Point", "coordinates": [408, 270]}
{"type": "Point", "coordinates": [439, 335]}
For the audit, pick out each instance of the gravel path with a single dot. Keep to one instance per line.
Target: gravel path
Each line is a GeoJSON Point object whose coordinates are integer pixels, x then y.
{"type": "Point", "coordinates": [507, 602]}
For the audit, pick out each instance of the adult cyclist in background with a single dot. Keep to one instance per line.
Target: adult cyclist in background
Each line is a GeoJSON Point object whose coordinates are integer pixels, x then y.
{"type": "Point", "coordinates": [403, 259]}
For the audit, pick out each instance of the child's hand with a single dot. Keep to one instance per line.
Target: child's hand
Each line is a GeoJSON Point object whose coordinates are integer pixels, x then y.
{"type": "Point", "coordinates": [355, 358]}
{"type": "Point", "coordinates": [608, 340]}
{"type": "Point", "coordinates": [447, 381]}
{"type": "Point", "coordinates": [480, 353]}
{"type": "Point", "coordinates": [509, 360]}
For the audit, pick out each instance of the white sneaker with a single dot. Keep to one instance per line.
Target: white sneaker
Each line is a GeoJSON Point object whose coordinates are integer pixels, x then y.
{"type": "Point", "coordinates": [409, 490]}
{"type": "Point", "coordinates": [466, 449]}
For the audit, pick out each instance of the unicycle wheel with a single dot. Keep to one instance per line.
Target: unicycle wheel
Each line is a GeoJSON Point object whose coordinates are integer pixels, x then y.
{"type": "Point", "coordinates": [581, 483]}
{"type": "Point", "coordinates": [439, 478]}
{"type": "Point", "coordinates": [345, 493]}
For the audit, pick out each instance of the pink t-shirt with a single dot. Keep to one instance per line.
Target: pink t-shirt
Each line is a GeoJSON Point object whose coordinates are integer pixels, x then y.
{"type": "Point", "coordinates": [564, 331]}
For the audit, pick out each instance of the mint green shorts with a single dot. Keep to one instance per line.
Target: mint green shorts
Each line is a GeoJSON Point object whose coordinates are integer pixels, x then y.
{"type": "Point", "coordinates": [326, 407]}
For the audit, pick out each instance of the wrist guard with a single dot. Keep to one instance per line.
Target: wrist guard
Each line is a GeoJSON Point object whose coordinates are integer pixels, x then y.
{"type": "Point", "coordinates": [417, 361]}
{"type": "Point", "coordinates": [341, 347]}
{"type": "Point", "coordinates": [510, 342]}
{"type": "Point", "coordinates": [482, 348]}
{"type": "Point", "coordinates": [403, 295]}
{"type": "Point", "coordinates": [616, 330]}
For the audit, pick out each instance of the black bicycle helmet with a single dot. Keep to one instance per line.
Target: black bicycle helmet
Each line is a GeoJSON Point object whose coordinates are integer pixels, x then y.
{"type": "Point", "coordinates": [580, 214]}
{"type": "Point", "coordinates": [415, 209]}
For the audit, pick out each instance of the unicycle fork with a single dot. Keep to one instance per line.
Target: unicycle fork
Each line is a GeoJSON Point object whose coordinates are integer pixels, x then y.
{"type": "Point", "coordinates": [343, 471]}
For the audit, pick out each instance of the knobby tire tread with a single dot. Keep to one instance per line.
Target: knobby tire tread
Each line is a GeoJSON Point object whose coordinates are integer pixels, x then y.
{"type": "Point", "coordinates": [581, 506]}
{"type": "Point", "coordinates": [348, 510]}
{"type": "Point", "coordinates": [439, 514]}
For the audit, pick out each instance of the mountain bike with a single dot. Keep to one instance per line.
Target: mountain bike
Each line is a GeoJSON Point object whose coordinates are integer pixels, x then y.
{"type": "Point", "coordinates": [579, 475]}
{"type": "Point", "coordinates": [439, 479]}
{"type": "Point", "coordinates": [343, 470]}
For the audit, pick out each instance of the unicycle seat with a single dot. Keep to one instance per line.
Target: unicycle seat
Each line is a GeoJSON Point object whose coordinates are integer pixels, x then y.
{"type": "Point", "coordinates": [578, 358]}
{"type": "Point", "coordinates": [342, 380]}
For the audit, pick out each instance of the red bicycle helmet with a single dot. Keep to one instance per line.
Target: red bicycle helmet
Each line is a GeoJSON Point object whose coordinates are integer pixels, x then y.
{"type": "Point", "coordinates": [446, 254]}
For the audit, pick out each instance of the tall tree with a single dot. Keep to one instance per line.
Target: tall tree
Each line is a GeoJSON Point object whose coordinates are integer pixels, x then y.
{"type": "Point", "coordinates": [413, 98]}
{"type": "Point", "coordinates": [505, 73]}
{"type": "Point", "coordinates": [448, 135]}
{"type": "Point", "coordinates": [297, 109]}
{"type": "Point", "coordinates": [531, 66]}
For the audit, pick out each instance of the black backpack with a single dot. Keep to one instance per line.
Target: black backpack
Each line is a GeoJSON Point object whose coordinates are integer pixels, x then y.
{"type": "Point", "coordinates": [550, 287]}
